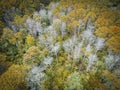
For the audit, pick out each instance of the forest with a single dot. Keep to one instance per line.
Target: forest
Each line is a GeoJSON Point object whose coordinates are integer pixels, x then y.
{"type": "Point", "coordinates": [59, 44]}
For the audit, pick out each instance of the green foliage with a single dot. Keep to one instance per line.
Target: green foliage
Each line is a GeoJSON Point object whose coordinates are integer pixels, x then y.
{"type": "Point", "coordinates": [74, 82]}
{"type": "Point", "coordinates": [29, 6]}
{"type": "Point", "coordinates": [15, 44]}
{"type": "Point", "coordinates": [45, 22]}
{"type": "Point", "coordinates": [7, 42]}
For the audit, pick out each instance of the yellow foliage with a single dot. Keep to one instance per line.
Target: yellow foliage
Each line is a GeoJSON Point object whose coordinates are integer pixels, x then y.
{"type": "Point", "coordinates": [63, 18]}
{"type": "Point", "coordinates": [44, 52]}
{"type": "Point", "coordinates": [7, 33]}
{"type": "Point", "coordinates": [101, 21]}
{"type": "Point", "coordinates": [36, 17]}
{"type": "Point", "coordinates": [81, 13]}
{"type": "Point", "coordinates": [88, 53]}
{"type": "Point", "coordinates": [103, 18]}
{"type": "Point", "coordinates": [30, 40]}
{"type": "Point", "coordinates": [71, 14]}
{"type": "Point", "coordinates": [92, 15]}
{"type": "Point", "coordinates": [73, 25]}
{"type": "Point", "coordinates": [14, 78]}
{"type": "Point", "coordinates": [18, 35]}
{"type": "Point", "coordinates": [112, 35]}
{"type": "Point", "coordinates": [56, 11]}
{"type": "Point", "coordinates": [61, 59]}
{"type": "Point", "coordinates": [114, 30]}
{"type": "Point", "coordinates": [83, 49]}
{"type": "Point", "coordinates": [31, 55]}
{"type": "Point", "coordinates": [12, 40]}
{"type": "Point", "coordinates": [102, 32]}
{"type": "Point", "coordinates": [20, 20]}
{"type": "Point", "coordinates": [114, 44]}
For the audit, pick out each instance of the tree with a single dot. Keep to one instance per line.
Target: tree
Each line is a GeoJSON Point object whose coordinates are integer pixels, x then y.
{"type": "Point", "coordinates": [32, 56]}
{"type": "Point", "coordinates": [19, 20]}
{"type": "Point", "coordinates": [30, 41]}
{"type": "Point", "coordinates": [7, 42]}
{"type": "Point", "coordinates": [74, 82]}
{"type": "Point", "coordinates": [14, 78]}
{"type": "Point", "coordinates": [102, 32]}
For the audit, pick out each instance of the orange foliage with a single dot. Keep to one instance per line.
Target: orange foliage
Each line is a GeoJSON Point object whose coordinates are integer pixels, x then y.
{"type": "Point", "coordinates": [114, 44]}
{"type": "Point", "coordinates": [102, 32]}
{"type": "Point", "coordinates": [101, 21]}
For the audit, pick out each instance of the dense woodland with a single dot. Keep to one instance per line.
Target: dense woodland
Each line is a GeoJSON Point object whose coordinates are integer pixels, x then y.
{"type": "Point", "coordinates": [59, 45]}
